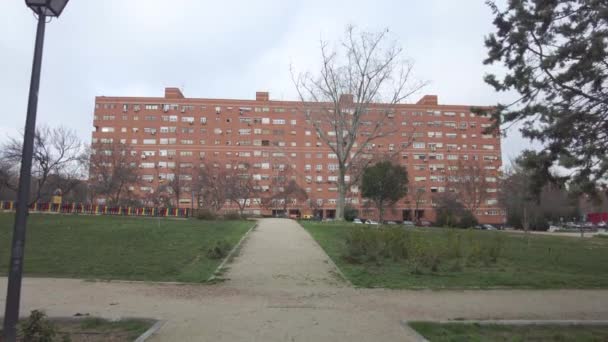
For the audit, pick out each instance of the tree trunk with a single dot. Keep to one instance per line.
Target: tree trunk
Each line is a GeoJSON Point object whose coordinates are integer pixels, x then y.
{"type": "Point", "coordinates": [380, 206]}
{"type": "Point", "coordinates": [341, 196]}
{"type": "Point", "coordinates": [525, 222]}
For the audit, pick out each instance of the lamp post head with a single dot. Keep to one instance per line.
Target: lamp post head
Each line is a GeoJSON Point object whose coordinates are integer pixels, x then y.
{"type": "Point", "coordinates": [49, 8]}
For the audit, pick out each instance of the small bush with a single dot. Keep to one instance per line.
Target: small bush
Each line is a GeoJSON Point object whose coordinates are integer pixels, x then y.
{"type": "Point", "coordinates": [455, 251]}
{"type": "Point", "coordinates": [206, 214]}
{"type": "Point", "coordinates": [232, 215]}
{"type": "Point", "coordinates": [350, 213]}
{"type": "Point", "coordinates": [219, 250]}
{"type": "Point", "coordinates": [365, 244]}
{"type": "Point", "coordinates": [467, 220]}
{"type": "Point", "coordinates": [494, 248]}
{"type": "Point", "coordinates": [37, 328]}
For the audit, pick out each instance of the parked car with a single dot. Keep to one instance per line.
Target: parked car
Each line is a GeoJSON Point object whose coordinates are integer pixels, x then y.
{"type": "Point", "coordinates": [488, 227]}
{"type": "Point", "coordinates": [409, 224]}
{"type": "Point", "coordinates": [602, 224]}
{"type": "Point", "coordinates": [390, 222]}
{"type": "Point", "coordinates": [424, 223]}
{"type": "Point", "coordinates": [357, 221]}
{"type": "Point", "coordinates": [372, 222]}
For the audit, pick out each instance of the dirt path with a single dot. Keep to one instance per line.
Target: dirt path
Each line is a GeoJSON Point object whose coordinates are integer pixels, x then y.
{"type": "Point", "coordinates": [282, 289]}
{"type": "Point", "coordinates": [279, 255]}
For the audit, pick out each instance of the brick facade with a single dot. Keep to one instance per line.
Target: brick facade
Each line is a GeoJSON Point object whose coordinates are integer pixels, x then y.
{"type": "Point", "coordinates": [264, 133]}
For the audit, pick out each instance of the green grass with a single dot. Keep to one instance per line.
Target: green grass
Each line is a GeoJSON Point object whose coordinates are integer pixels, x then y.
{"type": "Point", "coordinates": [541, 262]}
{"type": "Point", "coordinates": [99, 328]}
{"type": "Point", "coordinates": [107, 247]}
{"type": "Point", "coordinates": [133, 327]}
{"type": "Point", "coordinates": [457, 332]}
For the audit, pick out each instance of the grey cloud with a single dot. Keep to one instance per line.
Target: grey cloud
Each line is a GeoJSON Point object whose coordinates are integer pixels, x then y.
{"type": "Point", "coordinates": [225, 49]}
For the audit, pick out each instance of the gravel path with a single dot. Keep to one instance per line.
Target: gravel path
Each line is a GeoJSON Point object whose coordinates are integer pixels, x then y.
{"type": "Point", "coordinates": [282, 287]}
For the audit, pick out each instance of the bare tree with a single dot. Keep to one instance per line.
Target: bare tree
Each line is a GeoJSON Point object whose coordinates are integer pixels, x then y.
{"type": "Point", "coordinates": [240, 186]}
{"type": "Point", "coordinates": [175, 185]}
{"type": "Point", "coordinates": [370, 69]}
{"type": "Point", "coordinates": [284, 189]}
{"type": "Point", "coordinates": [8, 180]}
{"type": "Point", "coordinates": [417, 197]}
{"type": "Point", "coordinates": [210, 185]}
{"type": "Point", "coordinates": [56, 152]}
{"type": "Point", "coordinates": [468, 178]}
{"type": "Point", "coordinates": [113, 168]}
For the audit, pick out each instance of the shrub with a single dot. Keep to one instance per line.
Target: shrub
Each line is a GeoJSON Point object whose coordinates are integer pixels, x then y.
{"type": "Point", "coordinates": [232, 215]}
{"type": "Point", "coordinates": [454, 245]}
{"type": "Point", "coordinates": [37, 328]}
{"type": "Point", "coordinates": [350, 213]}
{"type": "Point", "coordinates": [206, 214]}
{"type": "Point", "coordinates": [493, 248]}
{"type": "Point", "coordinates": [219, 250]}
{"type": "Point", "coordinates": [453, 251]}
{"type": "Point", "coordinates": [366, 244]}
{"type": "Point", "coordinates": [467, 220]}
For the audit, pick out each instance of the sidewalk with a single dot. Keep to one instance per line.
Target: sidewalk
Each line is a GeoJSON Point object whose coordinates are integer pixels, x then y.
{"type": "Point", "coordinates": [283, 288]}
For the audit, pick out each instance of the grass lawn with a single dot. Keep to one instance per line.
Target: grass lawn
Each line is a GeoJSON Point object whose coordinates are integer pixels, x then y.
{"type": "Point", "coordinates": [98, 330]}
{"type": "Point", "coordinates": [544, 262]}
{"type": "Point", "coordinates": [439, 332]}
{"type": "Point", "coordinates": [107, 247]}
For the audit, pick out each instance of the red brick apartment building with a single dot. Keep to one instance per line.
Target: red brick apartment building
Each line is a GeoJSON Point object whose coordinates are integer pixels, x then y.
{"type": "Point", "coordinates": [264, 132]}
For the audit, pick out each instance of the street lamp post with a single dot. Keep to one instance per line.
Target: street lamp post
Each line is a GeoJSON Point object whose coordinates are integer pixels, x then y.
{"type": "Point", "coordinates": [44, 9]}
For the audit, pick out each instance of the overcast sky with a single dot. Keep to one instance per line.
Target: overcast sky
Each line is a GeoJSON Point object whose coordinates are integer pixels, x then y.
{"type": "Point", "coordinates": [226, 49]}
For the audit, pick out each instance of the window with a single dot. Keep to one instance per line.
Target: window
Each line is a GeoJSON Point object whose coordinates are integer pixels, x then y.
{"type": "Point", "coordinates": [149, 141]}
{"type": "Point", "coordinates": [185, 153]}
{"type": "Point", "coordinates": [278, 122]}
{"type": "Point", "coordinates": [150, 107]}
{"type": "Point", "coordinates": [107, 129]}
{"type": "Point", "coordinates": [419, 156]}
{"type": "Point", "coordinates": [189, 119]}
{"type": "Point", "coordinates": [187, 142]}
{"type": "Point", "coordinates": [418, 145]}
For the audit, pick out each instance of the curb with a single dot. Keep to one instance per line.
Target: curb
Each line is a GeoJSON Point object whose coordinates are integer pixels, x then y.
{"type": "Point", "coordinates": [565, 322]}
{"type": "Point", "coordinates": [414, 334]}
{"type": "Point", "coordinates": [230, 254]}
{"type": "Point", "coordinates": [148, 333]}
{"type": "Point", "coordinates": [528, 322]}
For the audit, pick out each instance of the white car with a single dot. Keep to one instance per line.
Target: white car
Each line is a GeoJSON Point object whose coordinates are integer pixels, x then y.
{"type": "Point", "coordinates": [371, 222]}
{"type": "Point", "coordinates": [409, 224]}
{"type": "Point", "coordinates": [357, 221]}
